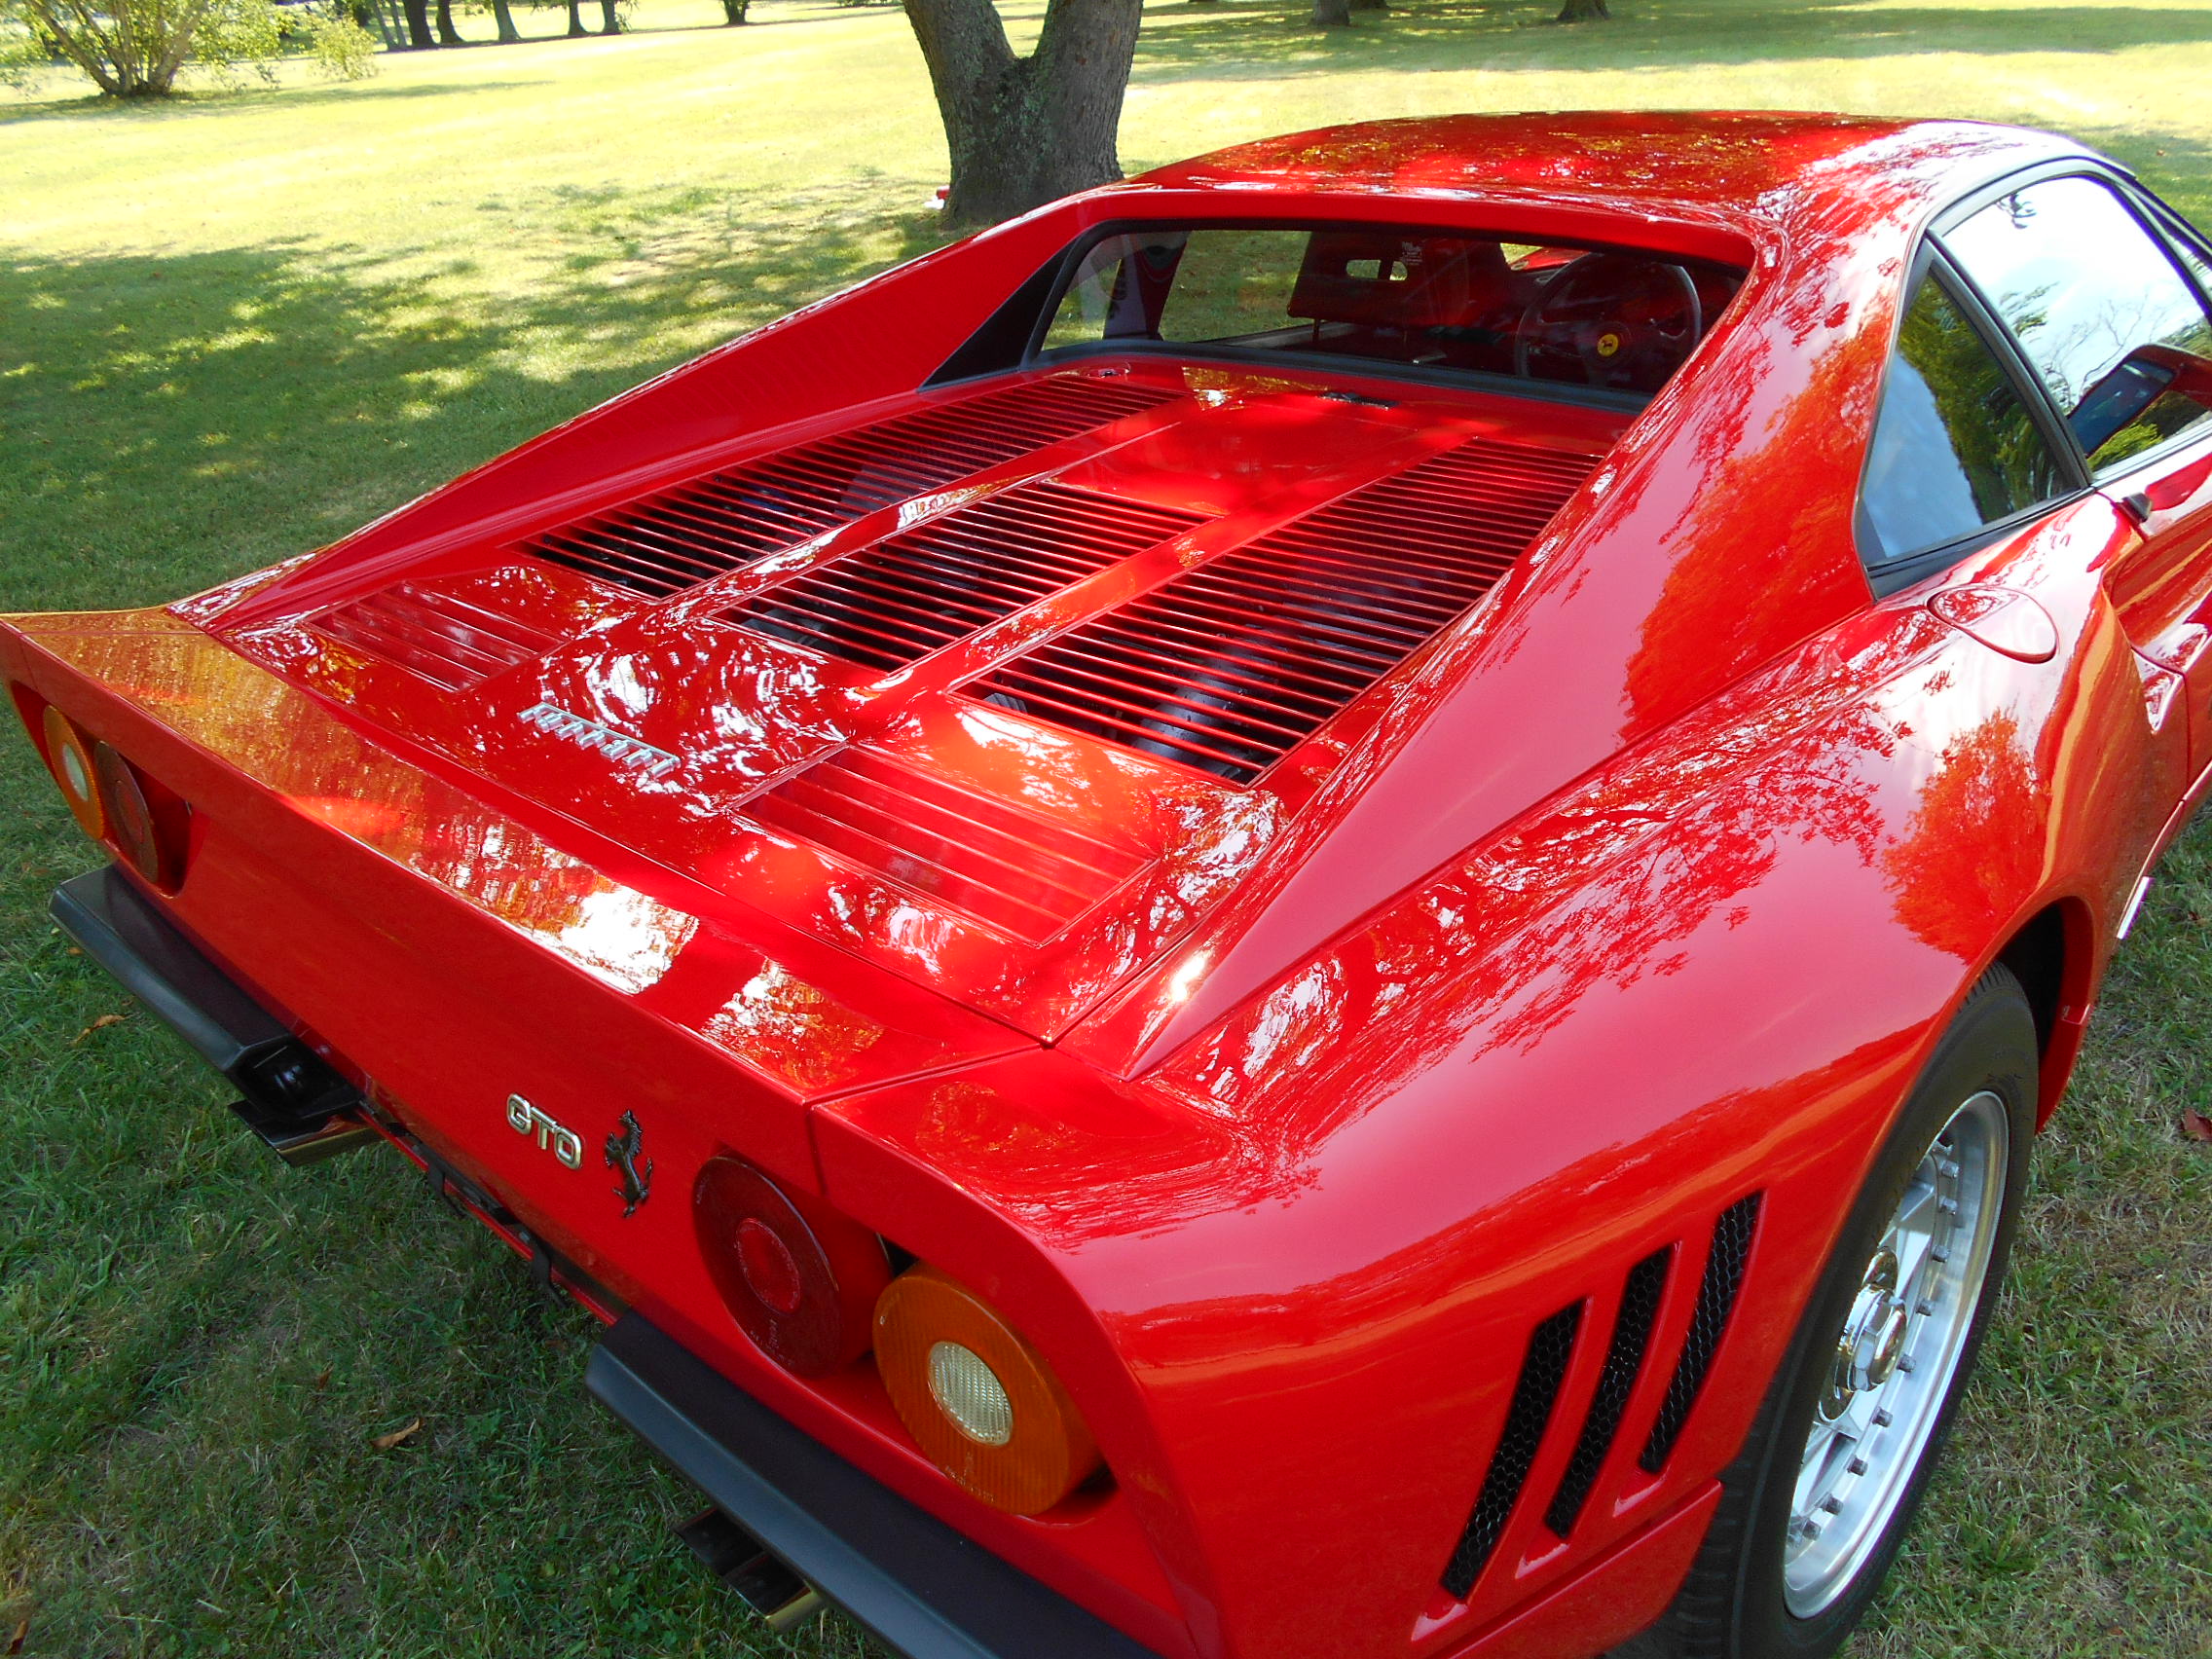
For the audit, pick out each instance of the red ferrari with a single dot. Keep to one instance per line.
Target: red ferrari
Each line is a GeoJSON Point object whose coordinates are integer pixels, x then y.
{"type": "Point", "coordinates": [1317, 909]}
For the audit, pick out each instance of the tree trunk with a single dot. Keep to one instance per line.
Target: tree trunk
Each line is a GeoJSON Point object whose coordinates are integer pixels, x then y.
{"type": "Point", "coordinates": [503, 15]}
{"type": "Point", "coordinates": [1332, 14]}
{"type": "Point", "coordinates": [1582, 12]}
{"type": "Point", "coordinates": [382, 15]}
{"type": "Point", "coordinates": [448, 35]}
{"type": "Point", "coordinates": [608, 22]}
{"type": "Point", "coordinates": [1370, 5]}
{"type": "Point", "coordinates": [576, 29]}
{"type": "Point", "coordinates": [1026, 130]}
{"type": "Point", "coordinates": [733, 12]}
{"type": "Point", "coordinates": [418, 36]}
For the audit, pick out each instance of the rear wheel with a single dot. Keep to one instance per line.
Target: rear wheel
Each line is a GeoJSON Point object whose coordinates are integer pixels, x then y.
{"type": "Point", "coordinates": [1818, 1501]}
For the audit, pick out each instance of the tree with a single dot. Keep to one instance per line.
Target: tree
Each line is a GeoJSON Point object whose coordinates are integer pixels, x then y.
{"type": "Point", "coordinates": [1332, 14]}
{"type": "Point", "coordinates": [503, 15]}
{"type": "Point", "coordinates": [1025, 131]}
{"type": "Point", "coordinates": [448, 35]}
{"type": "Point", "coordinates": [576, 29]}
{"type": "Point", "coordinates": [1582, 12]}
{"type": "Point", "coordinates": [418, 36]}
{"type": "Point", "coordinates": [733, 12]}
{"type": "Point", "coordinates": [608, 22]}
{"type": "Point", "coordinates": [134, 49]}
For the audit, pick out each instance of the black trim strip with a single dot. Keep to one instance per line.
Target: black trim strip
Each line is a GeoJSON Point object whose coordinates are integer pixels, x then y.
{"type": "Point", "coordinates": [915, 1583]}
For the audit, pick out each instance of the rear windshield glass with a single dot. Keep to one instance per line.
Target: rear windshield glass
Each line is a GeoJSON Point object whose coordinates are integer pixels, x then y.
{"type": "Point", "coordinates": [1576, 317]}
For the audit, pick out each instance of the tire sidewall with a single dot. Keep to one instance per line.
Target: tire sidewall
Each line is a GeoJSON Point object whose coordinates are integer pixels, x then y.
{"type": "Point", "coordinates": [1991, 1045]}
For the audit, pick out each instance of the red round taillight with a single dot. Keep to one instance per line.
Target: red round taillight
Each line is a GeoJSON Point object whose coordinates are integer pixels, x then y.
{"type": "Point", "coordinates": [151, 839]}
{"type": "Point", "coordinates": [800, 1279]}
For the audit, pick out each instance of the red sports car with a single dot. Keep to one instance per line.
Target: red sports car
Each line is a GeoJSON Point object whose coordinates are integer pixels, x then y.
{"type": "Point", "coordinates": [1316, 908]}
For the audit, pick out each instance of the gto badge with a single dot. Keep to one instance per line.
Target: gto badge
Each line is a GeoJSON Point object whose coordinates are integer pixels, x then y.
{"type": "Point", "coordinates": [622, 1149]}
{"type": "Point", "coordinates": [564, 1144]}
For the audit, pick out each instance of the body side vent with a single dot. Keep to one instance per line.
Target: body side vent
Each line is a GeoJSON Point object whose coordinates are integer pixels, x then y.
{"type": "Point", "coordinates": [1716, 1298]}
{"type": "Point", "coordinates": [911, 594]}
{"type": "Point", "coordinates": [697, 530]}
{"type": "Point", "coordinates": [1022, 876]}
{"type": "Point", "coordinates": [1640, 1296]}
{"type": "Point", "coordinates": [1543, 1369]}
{"type": "Point", "coordinates": [1228, 666]}
{"type": "Point", "coordinates": [447, 641]}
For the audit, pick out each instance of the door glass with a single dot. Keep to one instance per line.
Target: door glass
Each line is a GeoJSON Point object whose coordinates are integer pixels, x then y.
{"type": "Point", "coordinates": [1955, 448]}
{"type": "Point", "coordinates": [2097, 306]}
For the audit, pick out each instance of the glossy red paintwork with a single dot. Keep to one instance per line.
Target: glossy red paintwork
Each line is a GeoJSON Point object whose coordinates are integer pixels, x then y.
{"type": "Point", "coordinates": [1644, 887]}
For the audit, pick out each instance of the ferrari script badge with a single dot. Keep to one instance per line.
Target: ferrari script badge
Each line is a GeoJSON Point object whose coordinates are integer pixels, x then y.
{"type": "Point", "coordinates": [630, 752]}
{"type": "Point", "coordinates": [563, 1142]}
{"type": "Point", "coordinates": [622, 1149]}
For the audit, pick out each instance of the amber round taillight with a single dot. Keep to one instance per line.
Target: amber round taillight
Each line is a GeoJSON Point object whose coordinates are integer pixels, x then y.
{"type": "Point", "coordinates": [70, 758]}
{"type": "Point", "coordinates": [137, 832]}
{"type": "Point", "coordinates": [979, 1400]}
{"type": "Point", "coordinates": [800, 1279]}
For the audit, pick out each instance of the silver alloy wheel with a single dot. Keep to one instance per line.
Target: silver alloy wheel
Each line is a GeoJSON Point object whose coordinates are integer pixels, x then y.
{"type": "Point", "coordinates": [1898, 1348]}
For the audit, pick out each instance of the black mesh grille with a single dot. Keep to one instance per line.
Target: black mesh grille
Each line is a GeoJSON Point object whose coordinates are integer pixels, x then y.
{"type": "Point", "coordinates": [1551, 1345]}
{"type": "Point", "coordinates": [1715, 1298]}
{"type": "Point", "coordinates": [699, 530]}
{"type": "Point", "coordinates": [1624, 1362]}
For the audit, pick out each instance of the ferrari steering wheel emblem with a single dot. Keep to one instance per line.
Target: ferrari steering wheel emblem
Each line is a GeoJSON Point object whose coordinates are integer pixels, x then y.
{"type": "Point", "coordinates": [1608, 344]}
{"type": "Point", "coordinates": [622, 1149]}
{"type": "Point", "coordinates": [565, 1144]}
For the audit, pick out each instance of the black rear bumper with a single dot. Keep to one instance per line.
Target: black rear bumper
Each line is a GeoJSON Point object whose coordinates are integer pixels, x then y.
{"type": "Point", "coordinates": [917, 1584]}
{"type": "Point", "coordinates": [290, 1095]}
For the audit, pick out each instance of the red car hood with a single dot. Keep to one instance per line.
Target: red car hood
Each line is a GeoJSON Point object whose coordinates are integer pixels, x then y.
{"type": "Point", "coordinates": [844, 732]}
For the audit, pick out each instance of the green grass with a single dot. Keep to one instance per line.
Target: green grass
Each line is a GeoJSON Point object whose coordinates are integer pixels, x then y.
{"type": "Point", "coordinates": [230, 330]}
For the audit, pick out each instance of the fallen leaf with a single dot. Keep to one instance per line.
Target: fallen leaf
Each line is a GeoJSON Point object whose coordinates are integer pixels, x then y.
{"type": "Point", "coordinates": [2197, 1125]}
{"type": "Point", "coordinates": [100, 1024]}
{"type": "Point", "coordinates": [76, 950]}
{"type": "Point", "coordinates": [20, 1636]}
{"type": "Point", "coordinates": [397, 1437]}
{"type": "Point", "coordinates": [321, 1379]}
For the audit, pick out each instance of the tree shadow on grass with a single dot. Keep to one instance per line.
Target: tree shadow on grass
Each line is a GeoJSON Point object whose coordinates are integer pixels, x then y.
{"type": "Point", "coordinates": [168, 421]}
{"type": "Point", "coordinates": [1264, 41]}
{"type": "Point", "coordinates": [78, 101]}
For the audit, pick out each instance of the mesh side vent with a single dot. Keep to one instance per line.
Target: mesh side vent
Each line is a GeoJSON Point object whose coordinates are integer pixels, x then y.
{"type": "Point", "coordinates": [699, 530]}
{"type": "Point", "coordinates": [1624, 1361]}
{"type": "Point", "coordinates": [1716, 1298]}
{"type": "Point", "coordinates": [1021, 875]}
{"type": "Point", "coordinates": [1551, 1345]}
{"type": "Point", "coordinates": [1228, 666]}
{"type": "Point", "coordinates": [911, 594]}
{"type": "Point", "coordinates": [448, 641]}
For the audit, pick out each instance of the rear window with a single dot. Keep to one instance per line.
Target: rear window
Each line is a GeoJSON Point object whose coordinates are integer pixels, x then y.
{"type": "Point", "coordinates": [1576, 317]}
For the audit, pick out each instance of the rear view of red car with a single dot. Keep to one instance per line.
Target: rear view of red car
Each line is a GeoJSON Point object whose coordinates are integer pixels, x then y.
{"type": "Point", "coordinates": [1318, 906]}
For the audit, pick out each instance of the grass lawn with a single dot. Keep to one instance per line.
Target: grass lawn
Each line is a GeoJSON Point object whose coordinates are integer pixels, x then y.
{"type": "Point", "coordinates": [233, 328]}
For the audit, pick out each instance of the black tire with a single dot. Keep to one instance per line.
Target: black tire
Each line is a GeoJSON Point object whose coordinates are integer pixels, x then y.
{"type": "Point", "coordinates": [1732, 1605]}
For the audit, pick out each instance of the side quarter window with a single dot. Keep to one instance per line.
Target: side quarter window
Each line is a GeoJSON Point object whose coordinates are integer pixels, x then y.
{"type": "Point", "coordinates": [1955, 445]}
{"type": "Point", "coordinates": [2099, 308]}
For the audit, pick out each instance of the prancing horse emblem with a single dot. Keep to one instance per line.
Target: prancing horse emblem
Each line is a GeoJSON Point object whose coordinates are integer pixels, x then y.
{"type": "Point", "coordinates": [622, 1151]}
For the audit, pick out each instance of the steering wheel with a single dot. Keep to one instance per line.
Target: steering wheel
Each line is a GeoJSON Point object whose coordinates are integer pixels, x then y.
{"type": "Point", "coordinates": [1610, 319]}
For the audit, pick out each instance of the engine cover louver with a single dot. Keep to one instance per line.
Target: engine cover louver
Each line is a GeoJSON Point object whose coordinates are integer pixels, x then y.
{"type": "Point", "coordinates": [1020, 875]}
{"type": "Point", "coordinates": [699, 530]}
{"type": "Point", "coordinates": [1227, 667]}
{"type": "Point", "coordinates": [449, 641]}
{"type": "Point", "coordinates": [906, 597]}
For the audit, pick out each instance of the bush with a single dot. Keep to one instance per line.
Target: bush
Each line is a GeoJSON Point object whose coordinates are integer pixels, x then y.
{"type": "Point", "coordinates": [342, 50]}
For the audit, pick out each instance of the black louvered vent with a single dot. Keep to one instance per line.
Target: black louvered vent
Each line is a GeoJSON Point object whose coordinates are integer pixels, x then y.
{"type": "Point", "coordinates": [1228, 666]}
{"type": "Point", "coordinates": [907, 595]}
{"type": "Point", "coordinates": [1551, 1345]}
{"type": "Point", "coordinates": [1716, 1298]}
{"type": "Point", "coordinates": [1641, 1295]}
{"type": "Point", "coordinates": [699, 530]}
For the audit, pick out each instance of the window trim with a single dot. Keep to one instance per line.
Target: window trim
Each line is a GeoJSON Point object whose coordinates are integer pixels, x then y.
{"type": "Point", "coordinates": [1932, 262]}
{"type": "Point", "coordinates": [2131, 198]}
